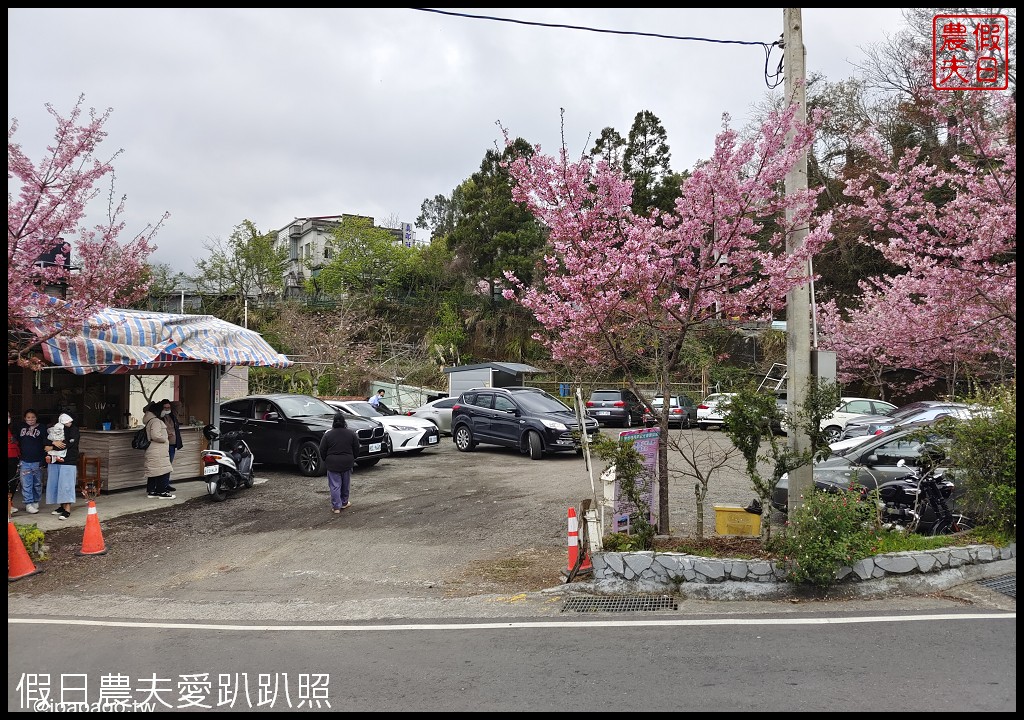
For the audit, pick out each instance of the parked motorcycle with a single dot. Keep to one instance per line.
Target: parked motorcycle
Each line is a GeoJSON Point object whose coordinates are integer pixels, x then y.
{"type": "Point", "coordinates": [228, 469]}
{"type": "Point", "coordinates": [918, 501]}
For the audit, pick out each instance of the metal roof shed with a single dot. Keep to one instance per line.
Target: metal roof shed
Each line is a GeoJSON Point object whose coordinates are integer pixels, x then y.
{"type": "Point", "coordinates": [491, 374]}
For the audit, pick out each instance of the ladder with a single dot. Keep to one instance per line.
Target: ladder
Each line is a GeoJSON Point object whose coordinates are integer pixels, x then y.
{"type": "Point", "coordinates": [775, 380]}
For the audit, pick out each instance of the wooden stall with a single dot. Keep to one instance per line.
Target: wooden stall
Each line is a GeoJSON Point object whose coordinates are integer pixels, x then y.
{"type": "Point", "coordinates": [96, 377]}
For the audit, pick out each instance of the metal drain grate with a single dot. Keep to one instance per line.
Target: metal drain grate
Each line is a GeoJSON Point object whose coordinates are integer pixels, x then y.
{"type": "Point", "coordinates": [624, 603]}
{"type": "Point", "coordinates": [1006, 584]}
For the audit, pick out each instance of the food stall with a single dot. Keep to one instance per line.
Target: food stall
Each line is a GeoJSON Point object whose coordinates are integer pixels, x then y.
{"type": "Point", "coordinates": [94, 374]}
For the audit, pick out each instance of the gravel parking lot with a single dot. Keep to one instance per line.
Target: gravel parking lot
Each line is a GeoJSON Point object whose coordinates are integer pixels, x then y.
{"type": "Point", "coordinates": [440, 524]}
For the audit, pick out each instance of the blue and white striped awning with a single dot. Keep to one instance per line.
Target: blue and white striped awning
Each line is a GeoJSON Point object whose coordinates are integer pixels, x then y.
{"type": "Point", "coordinates": [117, 341]}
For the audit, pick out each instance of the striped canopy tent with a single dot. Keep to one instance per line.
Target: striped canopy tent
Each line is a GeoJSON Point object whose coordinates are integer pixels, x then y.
{"type": "Point", "coordinates": [116, 341]}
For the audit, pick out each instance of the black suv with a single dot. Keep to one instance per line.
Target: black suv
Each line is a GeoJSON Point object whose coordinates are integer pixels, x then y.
{"type": "Point", "coordinates": [524, 418]}
{"type": "Point", "coordinates": [620, 407]}
{"type": "Point", "coordinates": [286, 429]}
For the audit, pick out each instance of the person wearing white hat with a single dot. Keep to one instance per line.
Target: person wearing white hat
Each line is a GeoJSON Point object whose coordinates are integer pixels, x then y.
{"type": "Point", "coordinates": [62, 477]}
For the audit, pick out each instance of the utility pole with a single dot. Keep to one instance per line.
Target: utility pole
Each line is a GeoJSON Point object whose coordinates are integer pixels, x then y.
{"type": "Point", "coordinates": [798, 316]}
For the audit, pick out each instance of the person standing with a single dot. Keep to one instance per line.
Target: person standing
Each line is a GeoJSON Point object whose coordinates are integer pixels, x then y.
{"type": "Point", "coordinates": [62, 477]}
{"type": "Point", "coordinates": [339, 447]}
{"type": "Point", "coordinates": [158, 459]}
{"type": "Point", "coordinates": [174, 442]}
{"type": "Point", "coordinates": [13, 455]}
{"type": "Point", "coordinates": [33, 452]}
{"type": "Point", "coordinates": [376, 399]}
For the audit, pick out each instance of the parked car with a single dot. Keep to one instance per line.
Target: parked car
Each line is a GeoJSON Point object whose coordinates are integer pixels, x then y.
{"type": "Point", "coordinates": [408, 434]}
{"type": "Point", "coordinates": [708, 412]}
{"type": "Point", "coordinates": [870, 463]}
{"type": "Point", "coordinates": [682, 410]}
{"type": "Point", "coordinates": [850, 408]}
{"type": "Point", "coordinates": [528, 419]}
{"type": "Point", "coordinates": [286, 429]}
{"type": "Point", "coordinates": [616, 407]}
{"type": "Point", "coordinates": [438, 412]}
{"type": "Point", "coordinates": [913, 412]}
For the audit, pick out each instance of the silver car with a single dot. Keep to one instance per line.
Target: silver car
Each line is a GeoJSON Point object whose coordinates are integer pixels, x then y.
{"type": "Point", "coordinates": [438, 412]}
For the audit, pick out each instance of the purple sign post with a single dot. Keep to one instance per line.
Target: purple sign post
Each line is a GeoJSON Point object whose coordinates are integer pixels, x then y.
{"type": "Point", "coordinates": [646, 443]}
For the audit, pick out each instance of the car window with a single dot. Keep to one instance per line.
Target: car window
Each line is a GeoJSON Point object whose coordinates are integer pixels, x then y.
{"type": "Point", "coordinates": [606, 395]}
{"type": "Point", "coordinates": [540, 402]}
{"type": "Point", "coordinates": [484, 400]}
{"type": "Point", "coordinates": [364, 409]}
{"type": "Point", "coordinates": [446, 403]}
{"type": "Point", "coordinates": [861, 407]}
{"type": "Point", "coordinates": [235, 409]}
{"type": "Point", "coordinates": [503, 403]}
{"type": "Point", "coordinates": [304, 406]}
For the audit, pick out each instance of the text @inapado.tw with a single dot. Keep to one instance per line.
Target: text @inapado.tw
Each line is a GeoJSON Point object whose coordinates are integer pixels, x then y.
{"type": "Point", "coordinates": [116, 692]}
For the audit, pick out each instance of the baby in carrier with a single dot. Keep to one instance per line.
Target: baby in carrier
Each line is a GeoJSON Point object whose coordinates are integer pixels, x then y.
{"type": "Point", "coordinates": [53, 455]}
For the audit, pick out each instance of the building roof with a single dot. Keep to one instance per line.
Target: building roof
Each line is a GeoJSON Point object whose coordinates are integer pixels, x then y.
{"type": "Point", "coordinates": [507, 367]}
{"type": "Point", "coordinates": [115, 341]}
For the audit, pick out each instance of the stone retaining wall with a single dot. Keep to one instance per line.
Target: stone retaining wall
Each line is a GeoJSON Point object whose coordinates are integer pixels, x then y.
{"type": "Point", "coordinates": [655, 571]}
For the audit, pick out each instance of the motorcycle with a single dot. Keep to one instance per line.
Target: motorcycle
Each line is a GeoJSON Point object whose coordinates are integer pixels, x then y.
{"type": "Point", "coordinates": [919, 500]}
{"type": "Point", "coordinates": [230, 469]}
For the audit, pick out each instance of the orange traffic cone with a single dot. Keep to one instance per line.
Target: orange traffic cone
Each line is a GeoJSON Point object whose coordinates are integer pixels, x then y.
{"type": "Point", "coordinates": [574, 548]}
{"type": "Point", "coordinates": [92, 541]}
{"type": "Point", "coordinates": [19, 564]}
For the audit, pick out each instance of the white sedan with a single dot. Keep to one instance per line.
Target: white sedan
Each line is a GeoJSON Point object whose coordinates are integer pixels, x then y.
{"type": "Point", "coordinates": [408, 434]}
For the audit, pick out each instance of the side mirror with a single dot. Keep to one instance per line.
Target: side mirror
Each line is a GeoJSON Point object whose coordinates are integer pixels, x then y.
{"type": "Point", "coordinates": [273, 416]}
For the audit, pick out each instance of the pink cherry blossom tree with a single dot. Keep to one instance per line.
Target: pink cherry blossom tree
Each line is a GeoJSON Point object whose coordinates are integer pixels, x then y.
{"type": "Point", "coordinates": [624, 289]}
{"type": "Point", "coordinates": [49, 247]}
{"type": "Point", "coordinates": [950, 226]}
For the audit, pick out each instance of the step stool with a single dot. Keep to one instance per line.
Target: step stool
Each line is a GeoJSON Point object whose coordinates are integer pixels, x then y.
{"type": "Point", "coordinates": [90, 477]}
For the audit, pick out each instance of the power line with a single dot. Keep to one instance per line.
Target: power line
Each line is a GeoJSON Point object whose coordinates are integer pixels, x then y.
{"type": "Point", "coordinates": [771, 79]}
{"type": "Point", "coordinates": [590, 29]}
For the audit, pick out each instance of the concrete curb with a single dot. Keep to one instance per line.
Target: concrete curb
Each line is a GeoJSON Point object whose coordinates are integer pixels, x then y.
{"type": "Point", "coordinates": [717, 578]}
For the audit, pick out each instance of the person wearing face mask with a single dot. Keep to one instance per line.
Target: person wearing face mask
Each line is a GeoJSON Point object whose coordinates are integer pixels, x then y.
{"type": "Point", "coordinates": [32, 439]}
{"type": "Point", "coordinates": [174, 442]}
{"type": "Point", "coordinates": [158, 460]}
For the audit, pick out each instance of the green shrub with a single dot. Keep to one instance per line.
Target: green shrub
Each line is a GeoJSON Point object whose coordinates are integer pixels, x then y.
{"type": "Point", "coordinates": [34, 540]}
{"type": "Point", "coordinates": [984, 453]}
{"type": "Point", "coordinates": [825, 532]}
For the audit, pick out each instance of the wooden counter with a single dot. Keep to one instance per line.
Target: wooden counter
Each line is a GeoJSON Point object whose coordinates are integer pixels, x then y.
{"type": "Point", "coordinates": [122, 466]}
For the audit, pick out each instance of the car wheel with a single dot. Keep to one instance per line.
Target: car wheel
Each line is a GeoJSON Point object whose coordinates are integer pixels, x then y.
{"type": "Point", "coordinates": [629, 420]}
{"type": "Point", "coordinates": [463, 438]}
{"type": "Point", "coordinates": [309, 461]}
{"type": "Point", "coordinates": [702, 426]}
{"type": "Point", "coordinates": [832, 433]}
{"type": "Point", "coordinates": [535, 446]}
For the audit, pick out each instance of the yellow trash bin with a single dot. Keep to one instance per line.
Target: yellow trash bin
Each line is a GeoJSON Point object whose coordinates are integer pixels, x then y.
{"type": "Point", "coordinates": [734, 520]}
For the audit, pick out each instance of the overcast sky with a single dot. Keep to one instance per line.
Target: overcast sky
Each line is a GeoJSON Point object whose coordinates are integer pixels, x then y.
{"type": "Point", "coordinates": [268, 115]}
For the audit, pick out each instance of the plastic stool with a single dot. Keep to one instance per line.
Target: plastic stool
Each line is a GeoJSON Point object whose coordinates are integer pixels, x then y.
{"type": "Point", "coordinates": [90, 477]}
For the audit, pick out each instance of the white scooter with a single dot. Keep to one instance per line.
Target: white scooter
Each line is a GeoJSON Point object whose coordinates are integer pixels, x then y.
{"type": "Point", "coordinates": [229, 469]}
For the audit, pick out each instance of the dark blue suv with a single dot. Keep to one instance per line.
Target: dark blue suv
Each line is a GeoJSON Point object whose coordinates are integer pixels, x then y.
{"type": "Point", "coordinates": [524, 418]}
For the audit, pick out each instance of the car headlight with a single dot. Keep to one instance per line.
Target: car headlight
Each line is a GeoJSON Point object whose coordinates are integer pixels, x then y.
{"type": "Point", "coordinates": [405, 428]}
{"type": "Point", "coordinates": [552, 424]}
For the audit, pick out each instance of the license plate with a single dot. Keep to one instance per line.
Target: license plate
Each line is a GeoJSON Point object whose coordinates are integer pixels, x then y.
{"type": "Point", "coordinates": [602, 412]}
{"type": "Point", "coordinates": [211, 470]}
{"type": "Point", "coordinates": [432, 439]}
{"type": "Point", "coordinates": [375, 447]}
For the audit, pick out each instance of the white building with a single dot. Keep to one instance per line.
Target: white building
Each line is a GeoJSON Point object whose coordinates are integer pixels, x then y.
{"type": "Point", "coordinates": [307, 242]}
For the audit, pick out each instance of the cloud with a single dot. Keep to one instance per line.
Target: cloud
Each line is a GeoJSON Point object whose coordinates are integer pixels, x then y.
{"type": "Point", "coordinates": [267, 115]}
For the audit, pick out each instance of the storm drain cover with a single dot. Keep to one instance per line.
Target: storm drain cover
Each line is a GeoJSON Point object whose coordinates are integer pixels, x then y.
{"type": "Point", "coordinates": [623, 603]}
{"type": "Point", "coordinates": [1006, 584]}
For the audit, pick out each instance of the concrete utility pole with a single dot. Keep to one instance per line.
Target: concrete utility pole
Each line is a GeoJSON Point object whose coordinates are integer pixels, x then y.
{"type": "Point", "coordinates": [798, 316]}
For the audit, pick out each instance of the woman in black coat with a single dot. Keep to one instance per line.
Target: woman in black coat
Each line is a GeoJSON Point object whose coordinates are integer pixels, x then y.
{"type": "Point", "coordinates": [339, 447]}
